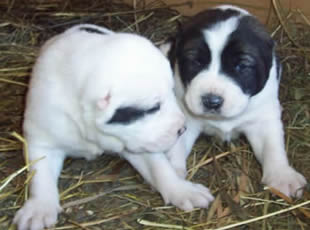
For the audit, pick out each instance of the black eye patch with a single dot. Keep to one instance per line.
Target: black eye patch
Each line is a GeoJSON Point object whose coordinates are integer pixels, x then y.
{"type": "Point", "coordinates": [92, 30]}
{"type": "Point", "coordinates": [129, 114]}
{"type": "Point", "coordinates": [193, 57]}
{"type": "Point", "coordinates": [244, 64]}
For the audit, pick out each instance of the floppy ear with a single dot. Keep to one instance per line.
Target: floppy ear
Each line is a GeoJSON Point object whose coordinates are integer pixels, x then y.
{"type": "Point", "coordinates": [165, 48]}
{"type": "Point", "coordinates": [103, 113]}
{"type": "Point", "coordinates": [170, 44]}
{"type": "Point", "coordinates": [104, 101]}
{"type": "Point", "coordinates": [169, 49]}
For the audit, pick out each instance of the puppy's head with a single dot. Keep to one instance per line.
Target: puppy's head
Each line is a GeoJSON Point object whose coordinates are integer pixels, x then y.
{"type": "Point", "coordinates": [223, 58]}
{"type": "Point", "coordinates": [138, 105]}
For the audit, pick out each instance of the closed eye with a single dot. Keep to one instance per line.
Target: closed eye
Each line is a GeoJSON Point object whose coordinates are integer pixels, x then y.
{"type": "Point", "coordinates": [129, 114]}
{"type": "Point", "coordinates": [193, 58]}
{"type": "Point", "coordinates": [153, 109]}
{"type": "Point", "coordinates": [245, 64]}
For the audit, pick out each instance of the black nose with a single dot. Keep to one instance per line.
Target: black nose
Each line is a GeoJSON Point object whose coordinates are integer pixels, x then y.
{"type": "Point", "coordinates": [181, 131]}
{"type": "Point", "coordinates": [212, 101]}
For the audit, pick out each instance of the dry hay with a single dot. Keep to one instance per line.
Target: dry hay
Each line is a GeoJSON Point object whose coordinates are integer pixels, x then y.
{"type": "Point", "coordinates": [108, 193]}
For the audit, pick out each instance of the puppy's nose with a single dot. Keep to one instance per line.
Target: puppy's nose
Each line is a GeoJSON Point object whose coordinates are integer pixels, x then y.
{"type": "Point", "coordinates": [181, 131]}
{"type": "Point", "coordinates": [212, 101]}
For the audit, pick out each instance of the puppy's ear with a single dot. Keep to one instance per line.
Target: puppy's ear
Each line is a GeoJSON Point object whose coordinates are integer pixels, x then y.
{"type": "Point", "coordinates": [104, 101]}
{"type": "Point", "coordinates": [165, 48]}
{"type": "Point", "coordinates": [173, 49]}
{"type": "Point", "coordinates": [102, 106]}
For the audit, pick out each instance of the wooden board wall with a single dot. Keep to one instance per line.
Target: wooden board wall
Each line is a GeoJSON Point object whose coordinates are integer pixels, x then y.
{"type": "Point", "coordinates": [260, 8]}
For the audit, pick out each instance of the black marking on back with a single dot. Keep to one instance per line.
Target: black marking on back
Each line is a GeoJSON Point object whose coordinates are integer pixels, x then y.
{"type": "Point", "coordinates": [129, 114]}
{"type": "Point", "coordinates": [92, 30]}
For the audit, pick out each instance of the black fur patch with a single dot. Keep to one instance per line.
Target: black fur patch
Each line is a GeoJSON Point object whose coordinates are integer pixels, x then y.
{"type": "Point", "coordinates": [92, 30]}
{"type": "Point", "coordinates": [192, 58]}
{"type": "Point", "coordinates": [208, 18]}
{"type": "Point", "coordinates": [247, 57]}
{"type": "Point", "coordinates": [189, 48]}
{"type": "Point", "coordinates": [127, 115]}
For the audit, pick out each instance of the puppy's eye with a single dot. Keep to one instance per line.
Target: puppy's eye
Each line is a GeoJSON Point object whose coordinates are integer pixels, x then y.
{"type": "Point", "coordinates": [153, 109]}
{"type": "Point", "coordinates": [242, 67]}
{"type": "Point", "coordinates": [193, 58]}
{"type": "Point", "coordinates": [245, 65]}
{"type": "Point", "coordinates": [196, 63]}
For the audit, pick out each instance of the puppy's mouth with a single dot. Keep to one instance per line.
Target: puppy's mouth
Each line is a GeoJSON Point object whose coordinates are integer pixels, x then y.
{"type": "Point", "coordinates": [213, 115]}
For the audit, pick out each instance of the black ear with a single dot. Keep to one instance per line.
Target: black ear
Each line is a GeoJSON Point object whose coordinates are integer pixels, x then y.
{"type": "Point", "coordinates": [252, 23]}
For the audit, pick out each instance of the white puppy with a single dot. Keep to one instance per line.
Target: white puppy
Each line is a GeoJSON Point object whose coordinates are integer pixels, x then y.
{"type": "Point", "coordinates": [227, 78]}
{"type": "Point", "coordinates": [93, 90]}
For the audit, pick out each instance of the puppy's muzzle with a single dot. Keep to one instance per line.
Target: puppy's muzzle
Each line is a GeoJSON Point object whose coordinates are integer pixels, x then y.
{"type": "Point", "coordinates": [212, 101]}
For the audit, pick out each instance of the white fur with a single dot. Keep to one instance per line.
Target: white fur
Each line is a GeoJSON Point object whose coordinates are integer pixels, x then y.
{"type": "Point", "coordinates": [78, 81]}
{"type": "Point", "coordinates": [258, 117]}
{"type": "Point", "coordinates": [212, 80]}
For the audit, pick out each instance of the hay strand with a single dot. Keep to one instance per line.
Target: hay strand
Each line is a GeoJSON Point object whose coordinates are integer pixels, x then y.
{"type": "Point", "coordinates": [265, 216]}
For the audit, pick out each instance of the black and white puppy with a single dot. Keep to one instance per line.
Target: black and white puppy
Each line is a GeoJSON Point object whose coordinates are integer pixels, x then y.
{"type": "Point", "coordinates": [93, 91]}
{"type": "Point", "coordinates": [227, 79]}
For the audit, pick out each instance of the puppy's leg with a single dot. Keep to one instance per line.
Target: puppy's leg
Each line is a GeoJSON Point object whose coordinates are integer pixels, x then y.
{"type": "Point", "coordinates": [180, 151]}
{"type": "Point", "coordinates": [267, 141]}
{"type": "Point", "coordinates": [43, 206]}
{"type": "Point", "coordinates": [157, 170]}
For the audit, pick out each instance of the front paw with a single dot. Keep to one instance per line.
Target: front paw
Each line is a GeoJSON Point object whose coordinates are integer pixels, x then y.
{"type": "Point", "coordinates": [179, 166]}
{"type": "Point", "coordinates": [287, 180]}
{"type": "Point", "coordinates": [187, 196]}
{"type": "Point", "coordinates": [181, 172]}
{"type": "Point", "coordinates": [37, 214]}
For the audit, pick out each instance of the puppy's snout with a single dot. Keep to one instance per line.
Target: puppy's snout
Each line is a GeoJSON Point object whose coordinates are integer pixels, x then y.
{"type": "Point", "coordinates": [212, 101]}
{"type": "Point", "coordinates": [181, 131]}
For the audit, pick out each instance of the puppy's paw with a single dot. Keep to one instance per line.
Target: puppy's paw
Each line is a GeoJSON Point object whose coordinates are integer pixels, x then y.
{"type": "Point", "coordinates": [187, 196]}
{"type": "Point", "coordinates": [181, 172]}
{"type": "Point", "coordinates": [179, 166]}
{"type": "Point", "coordinates": [37, 214]}
{"type": "Point", "coordinates": [287, 180]}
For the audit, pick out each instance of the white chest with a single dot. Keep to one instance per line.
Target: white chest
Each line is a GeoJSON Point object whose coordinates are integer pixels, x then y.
{"type": "Point", "coordinates": [225, 130]}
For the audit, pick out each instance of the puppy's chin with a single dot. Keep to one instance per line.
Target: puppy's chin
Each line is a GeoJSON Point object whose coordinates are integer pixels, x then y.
{"type": "Point", "coordinates": [216, 116]}
{"type": "Point", "coordinates": [149, 148]}
{"type": "Point", "coordinates": [220, 116]}
{"type": "Point", "coordinates": [141, 151]}
{"type": "Point", "coordinates": [213, 116]}
{"type": "Point", "coordinates": [137, 149]}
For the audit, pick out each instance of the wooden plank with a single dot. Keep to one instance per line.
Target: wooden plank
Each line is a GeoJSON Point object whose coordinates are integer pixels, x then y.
{"type": "Point", "coordinates": [260, 8]}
